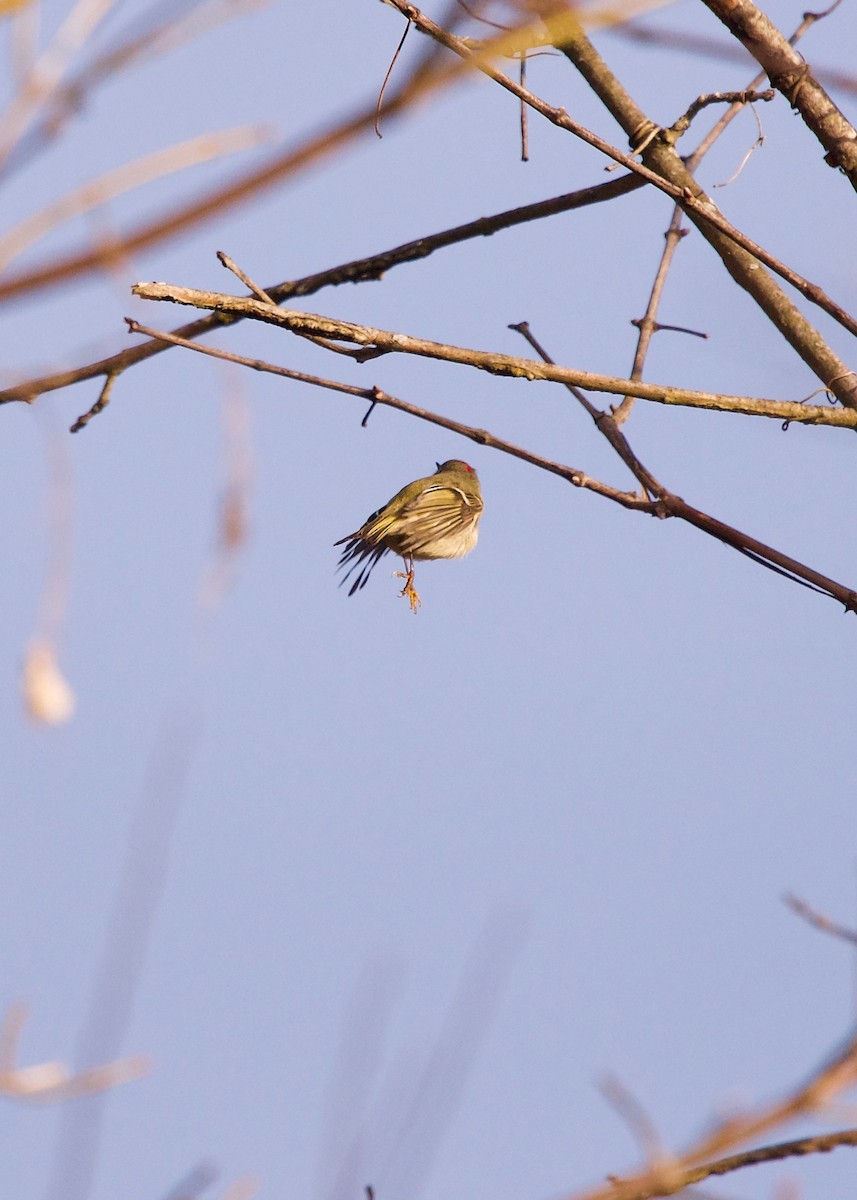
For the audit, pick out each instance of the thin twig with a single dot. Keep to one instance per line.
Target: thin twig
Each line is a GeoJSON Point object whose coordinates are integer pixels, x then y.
{"type": "Point", "coordinates": [604, 422]}
{"type": "Point", "coordinates": [819, 920]}
{"type": "Point", "coordinates": [749, 96]}
{"type": "Point", "coordinates": [649, 325]}
{"type": "Point", "coordinates": [387, 79]}
{"type": "Point", "coordinates": [257, 291]}
{"type": "Point", "coordinates": [375, 396]}
{"type": "Point", "coordinates": [99, 405]}
{"type": "Point", "coordinates": [525, 129]}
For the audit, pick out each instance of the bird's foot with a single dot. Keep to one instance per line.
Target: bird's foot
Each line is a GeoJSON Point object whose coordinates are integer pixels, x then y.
{"type": "Point", "coordinates": [409, 590]}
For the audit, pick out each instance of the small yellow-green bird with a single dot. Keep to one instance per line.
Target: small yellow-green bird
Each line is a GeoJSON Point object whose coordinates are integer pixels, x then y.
{"type": "Point", "coordinates": [436, 517]}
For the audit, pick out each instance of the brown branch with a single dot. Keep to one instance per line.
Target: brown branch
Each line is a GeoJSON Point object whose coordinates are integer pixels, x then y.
{"type": "Point", "coordinates": [791, 75]}
{"type": "Point", "coordinates": [666, 505]}
{"type": "Point", "coordinates": [359, 270]}
{"type": "Point", "coordinates": [375, 395]}
{"type": "Point", "coordinates": [670, 505]}
{"type": "Point", "coordinates": [747, 96]}
{"type": "Point", "coordinates": [648, 325]}
{"type": "Point", "coordinates": [820, 921]}
{"type": "Point", "coordinates": [676, 1180]}
{"type": "Point", "coordinates": [606, 423]}
{"type": "Point", "coordinates": [739, 254]}
{"type": "Point", "coordinates": [669, 1175]}
{"type": "Point", "coordinates": [315, 325]}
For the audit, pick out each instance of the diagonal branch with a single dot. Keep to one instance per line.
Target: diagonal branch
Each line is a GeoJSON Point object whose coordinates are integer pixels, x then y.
{"type": "Point", "coordinates": [790, 74]}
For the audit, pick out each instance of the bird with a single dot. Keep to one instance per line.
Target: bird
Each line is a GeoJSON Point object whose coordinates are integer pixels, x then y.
{"type": "Point", "coordinates": [435, 517]}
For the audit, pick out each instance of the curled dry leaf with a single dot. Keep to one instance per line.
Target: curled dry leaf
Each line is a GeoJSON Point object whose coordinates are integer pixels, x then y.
{"type": "Point", "coordinates": [47, 696]}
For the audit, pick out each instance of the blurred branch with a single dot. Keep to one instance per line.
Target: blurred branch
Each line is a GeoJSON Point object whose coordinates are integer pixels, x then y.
{"type": "Point", "coordinates": [214, 203]}
{"type": "Point", "coordinates": [791, 75]}
{"type": "Point", "coordinates": [48, 70]}
{"type": "Point", "coordinates": [709, 47]}
{"type": "Point", "coordinates": [820, 921]}
{"type": "Point", "coordinates": [134, 48]}
{"type": "Point", "coordinates": [676, 1179]}
{"type": "Point", "coordinates": [125, 178]}
{"type": "Point", "coordinates": [739, 254]}
{"type": "Point", "coordinates": [50, 1082]}
{"type": "Point", "coordinates": [315, 325]}
{"type": "Point", "coordinates": [669, 1175]}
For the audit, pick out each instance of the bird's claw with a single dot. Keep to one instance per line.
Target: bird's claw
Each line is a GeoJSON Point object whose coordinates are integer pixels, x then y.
{"type": "Point", "coordinates": [409, 590]}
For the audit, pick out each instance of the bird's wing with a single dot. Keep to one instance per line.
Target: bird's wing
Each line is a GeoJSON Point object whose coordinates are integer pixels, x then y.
{"type": "Point", "coordinates": [437, 511]}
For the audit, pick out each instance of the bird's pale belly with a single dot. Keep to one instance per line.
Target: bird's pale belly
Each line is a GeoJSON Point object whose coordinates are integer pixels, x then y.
{"type": "Point", "coordinates": [454, 545]}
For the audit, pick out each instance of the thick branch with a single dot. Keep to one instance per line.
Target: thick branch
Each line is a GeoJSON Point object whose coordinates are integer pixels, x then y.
{"type": "Point", "coordinates": [742, 264]}
{"type": "Point", "coordinates": [790, 74]}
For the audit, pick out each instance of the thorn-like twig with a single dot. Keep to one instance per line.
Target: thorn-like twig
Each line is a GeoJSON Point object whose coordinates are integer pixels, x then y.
{"type": "Point", "coordinates": [100, 404]}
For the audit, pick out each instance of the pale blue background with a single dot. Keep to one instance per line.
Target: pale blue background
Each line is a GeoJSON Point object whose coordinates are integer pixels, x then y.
{"type": "Point", "coordinates": [427, 881]}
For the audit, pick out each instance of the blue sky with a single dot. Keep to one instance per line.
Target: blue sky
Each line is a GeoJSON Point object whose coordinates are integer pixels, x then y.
{"type": "Point", "coordinates": [403, 890]}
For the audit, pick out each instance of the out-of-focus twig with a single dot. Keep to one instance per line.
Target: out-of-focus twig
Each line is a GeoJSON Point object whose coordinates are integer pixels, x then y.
{"type": "Point", "coordinates": [703, 1159]}
{"type": "Point", "coordinates": [124, 179]}
{"type": "Point", "coordinates": [709, 47]}
{"type": "Point", "coordinates": [48, 71]}
{"type": "Point", "coordinates": [819, 920]}
{"type": "Point", "coordinates": [51, 1082]}
{"type": "Point", "coordinates": [219, 199]}
{"type": "Point", "coordinates": [134, 47]}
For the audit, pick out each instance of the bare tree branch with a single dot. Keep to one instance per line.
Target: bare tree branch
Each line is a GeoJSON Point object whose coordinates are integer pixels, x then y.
{"type": "Point", "coordinates": [790, 74]}
{"type": "Point", "coordinates": [315, 325]}
{"type": "Point", "coordinates": [665, 169]}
